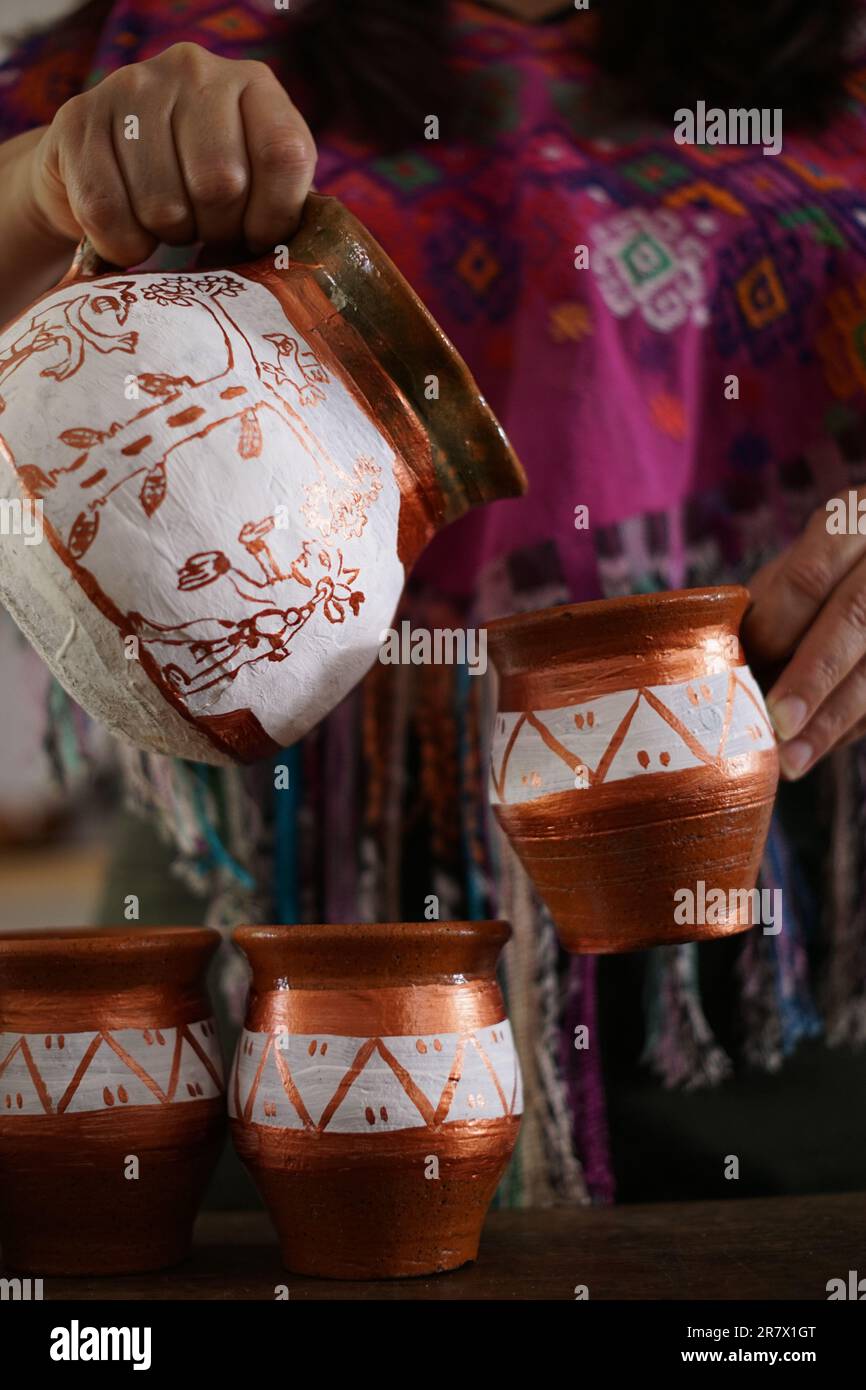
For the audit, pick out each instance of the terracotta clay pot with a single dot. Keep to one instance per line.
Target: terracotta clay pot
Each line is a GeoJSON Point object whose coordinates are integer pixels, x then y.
{"type": "Point", "coordinates": [108, 1054]}
{"type": "Point", "coordinates": [375, 1095]}
{"type": "Point", "coordinates": [633, 759]}
{"type": "Point", "coordinates": [236, 468]}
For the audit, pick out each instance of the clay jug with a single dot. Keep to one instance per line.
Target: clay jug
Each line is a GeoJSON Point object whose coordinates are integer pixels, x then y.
{"type": "Point", "coordinates": [375, 1095]}
{"type": "Point", "coordinates": [223, 477]}
{"type": "Point", "coordinates": [108, 1058]}
{"type": "Point", "coordinates": [633, 766]}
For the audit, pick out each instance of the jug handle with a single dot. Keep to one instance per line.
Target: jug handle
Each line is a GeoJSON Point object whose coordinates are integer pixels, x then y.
{"type": "Point", "coordinates": [87, 264]}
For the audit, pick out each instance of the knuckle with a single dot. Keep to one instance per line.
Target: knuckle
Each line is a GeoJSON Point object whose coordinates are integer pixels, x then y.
{"type": "Point", "coordinates": [100, 207]}
{"type": "Point", "coordinates": [854, 611]}
{"type": "Point", "coordinates": [829, 726]}
{"type": "Point", "coordinates": [221, 183]}
{"type": "Point", "coordinates": [187, 55]}
{"type": "Point", "coordinates": [127, 82]}
{"type": "Point", "coordinates": [288, 152]}
{"type": "Point", "coordinates": [257, 71]}
{"type": "Point", "coordinates": [73, 114]}
{"type": "Point", "coordinates": [826, 671]}
{"type": "Point", "coordinates": [810, 576]}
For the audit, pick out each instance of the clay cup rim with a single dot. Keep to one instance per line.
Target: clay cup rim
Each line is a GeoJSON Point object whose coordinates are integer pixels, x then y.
{"type": "Point", "coordinates": [78, 960]}
{"type": "Point", "coordinates": [493, 930]}
{"type": "Point", "coordinates": [635, 624]}
{"type": "Point", "coordinates": [376, 954]}
{"type": "Point", "coordinates": [103, 942]}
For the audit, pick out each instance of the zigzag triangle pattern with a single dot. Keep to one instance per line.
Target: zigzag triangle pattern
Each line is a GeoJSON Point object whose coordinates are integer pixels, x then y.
{"type": "Point", "coordinates": [117, 1069]}
{"type": "Point", "coordinates": [349, 1085]}
{"type": "Point", "coordinates": [628, 733]}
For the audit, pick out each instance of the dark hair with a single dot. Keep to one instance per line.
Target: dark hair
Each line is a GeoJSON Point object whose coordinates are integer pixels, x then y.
{"type": "Point", "coordinates": [729, 53]}
{"type": "Point", "coordinates": [378, 67]}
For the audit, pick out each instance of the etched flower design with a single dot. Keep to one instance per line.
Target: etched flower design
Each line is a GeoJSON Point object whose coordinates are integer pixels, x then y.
{"type": "Point", "coordinates": [228, 285]}
{"type": "Point", "coordinates": [178, 291]}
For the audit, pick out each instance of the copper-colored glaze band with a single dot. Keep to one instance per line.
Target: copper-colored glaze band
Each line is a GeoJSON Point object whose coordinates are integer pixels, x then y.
{"type": "Point", "coordinates": [66, 1206]}
{"type": "Point", "coordinates": [31, 1011]}
{"type": "Point", "coordinates": [585, 681]}
{"type": "Point", "coordinates": [608, 873]}
{"type": "Point", "coordinates": [643, 624]}
{"type": "Point", "coordinates": [392, 1011]}
{"type": "Point", "coordinates": [646, 800]}
{"type": "Point", "coordinates": [142, 1124]}
{"type": "Point", "coordinates": [480, 1141]}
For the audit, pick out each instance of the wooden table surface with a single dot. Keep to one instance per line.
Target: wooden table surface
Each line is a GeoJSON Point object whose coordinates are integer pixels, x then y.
{"type": "Point", "coordinates": [764, 1248]}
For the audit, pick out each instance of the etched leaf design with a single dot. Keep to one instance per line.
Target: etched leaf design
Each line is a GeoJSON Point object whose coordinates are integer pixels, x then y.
{"type": "Point", "coordinates": [153, 489]}
{"type": "Point", "coordinates": [250, 441]}
{"type": "Point", "coordinates": [83, 533]}
{"type": "Point", "coordinates": [160, 383]}
{"type": "Point", "coordinates": [301, 578]}
{"type": "Point", "coordinates": [204, 568]}
{"type": "Point", "coordinates": [82, 438]}
{"type": "Point", "coordinates": [34, 480]}
{"type": "Point", "coordinates": [312, 367]}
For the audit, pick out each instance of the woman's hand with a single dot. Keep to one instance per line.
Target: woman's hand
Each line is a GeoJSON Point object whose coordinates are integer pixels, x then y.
{"type": "Point", "coordinates": [809, 617]}
{"type": "Point", "coordinates": [218, 154]}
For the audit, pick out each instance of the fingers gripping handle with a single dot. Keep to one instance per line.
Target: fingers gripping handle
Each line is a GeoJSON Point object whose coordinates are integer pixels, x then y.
{"type": "Point", "coordinates": [87, 264]}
